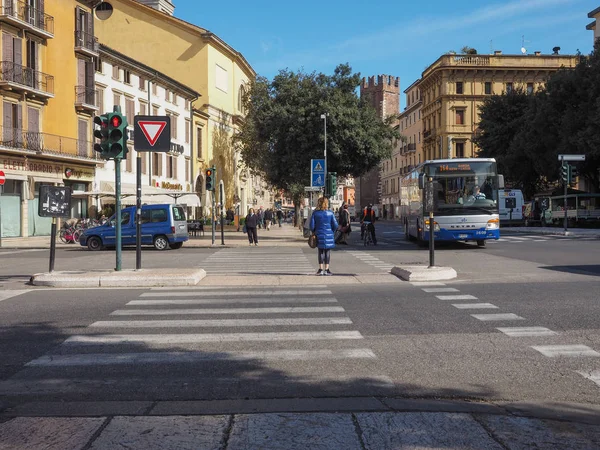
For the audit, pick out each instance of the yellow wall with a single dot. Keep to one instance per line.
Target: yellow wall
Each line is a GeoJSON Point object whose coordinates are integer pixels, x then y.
{"type": "Point", "coordinates": [60, 116]}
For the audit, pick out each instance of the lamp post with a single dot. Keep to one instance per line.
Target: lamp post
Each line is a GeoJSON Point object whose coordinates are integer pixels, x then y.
{"type": "Point", "coordinates": [324, 117]}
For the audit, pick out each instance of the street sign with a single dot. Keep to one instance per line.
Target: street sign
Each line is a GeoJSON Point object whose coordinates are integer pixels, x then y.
{"type": "Point", "coordinates": [571, 157]}
{"type": "Point", "coordinates": [55, 201]}
{"type": "Point", "coordinates": [2, 178]}
{"type": "Point", "coordinates": [312, 189]}
{"type": "Point", "coordinates": [152, 133]}
{"type": "Point", "coordinates": [317, 172]}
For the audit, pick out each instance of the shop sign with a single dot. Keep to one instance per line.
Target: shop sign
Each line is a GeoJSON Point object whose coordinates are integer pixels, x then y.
{"type": "Point", "coordinates": [171, 186]}
{"type": "Point", "coordinates": [37, 167]}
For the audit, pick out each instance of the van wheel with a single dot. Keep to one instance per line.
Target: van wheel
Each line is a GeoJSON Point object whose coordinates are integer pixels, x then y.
{"type": "Point", "coordinates": [480, 243]}
{"type": "Point", "coordinates": [161, 243]}
{"type": "Point", "coordinates": [176, 245]}
{"type": "Point", "coordinates": [94, 243]}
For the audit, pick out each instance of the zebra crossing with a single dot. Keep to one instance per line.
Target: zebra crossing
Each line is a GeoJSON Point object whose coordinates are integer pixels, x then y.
{"type": "Point", "coordinates": [259, 260]}
{"type": "Point", "coordinates": [258, 332]}
{"type": "Point", "coordinates": [537, 238]}
{"type": "Point", "coordinates": [371, 260]}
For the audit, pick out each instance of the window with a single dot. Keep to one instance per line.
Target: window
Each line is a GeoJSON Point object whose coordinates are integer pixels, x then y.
{"type": "Point", "coordinates": [98, 64]}
{"type": "Point", "coordinates": [509, 88]}
{"type": "Point", "coordinates": [32, 54]}
{"type": "Point", "coordinates": [129, 110]}
{"type": "Point", "coordinates": [187, 131]}
{"type": "Point", "coordinates": [154, 215]}
{"type": "Point", "coordinates": [157, 164]}
{"type": "Point", "coordinates": [174, 98]}
{"type": "Point", "coordinates": [142, 109]}
{"type": "Point", "coordinates": [460, 150]}
{"type": "Point", "coordinates": [117, 99]}
{"type": "Point", "coordinates": [199, 142]}
{"type": "Point", "coordinates": [187, 104]}
{"type": "Point", "coordinates": [169, 166]}
{"type": "Point", "coordinates": [142, 84]}
{"type": "Point", "coordinates": [155, 110]}
{"type": "Point", "coordinates": [459, 87]}
{"type": "Point", "coordinates": [127, 76]}
{"type": "Point", "coordinates": [419, 137]}
{"type": "Point", "coordinates": [487, 88]}
{"type": "Point", "coordinates": [173, 125]}
{"type": "Point", "coordinates": [154, 89]}
{"type": "Point", "coordinates": [530, 88]}
{"type": "Point", "coordinates": [115, 72]}
{"type": "Point", "coordinates": [460, 117]}
{"type": "Point", "coordinates": [167, 95]}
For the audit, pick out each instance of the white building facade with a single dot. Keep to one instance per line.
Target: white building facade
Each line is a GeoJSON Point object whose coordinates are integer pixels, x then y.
{"type": "Point", "coordinates": [141, 90]}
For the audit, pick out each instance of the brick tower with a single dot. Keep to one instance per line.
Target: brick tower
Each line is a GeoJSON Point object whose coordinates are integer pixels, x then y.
{"type": "Point", "coordinates": [384, 95]}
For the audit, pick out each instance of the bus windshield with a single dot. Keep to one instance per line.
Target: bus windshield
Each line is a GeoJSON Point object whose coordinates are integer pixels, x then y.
{"type": "Point", "coordinates": [464, 188]}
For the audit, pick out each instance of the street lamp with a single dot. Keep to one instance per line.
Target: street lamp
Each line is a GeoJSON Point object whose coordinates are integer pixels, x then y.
{"type": "Point", "coordinates": [324, 117]}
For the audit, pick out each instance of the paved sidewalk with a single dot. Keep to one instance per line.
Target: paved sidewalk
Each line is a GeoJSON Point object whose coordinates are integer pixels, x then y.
{"type": "Point", "coordinates": [366, 423]}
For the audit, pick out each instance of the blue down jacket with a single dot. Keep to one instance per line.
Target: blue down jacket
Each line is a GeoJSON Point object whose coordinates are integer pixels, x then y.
{"type": "Point", "coordinates": [323, 223]}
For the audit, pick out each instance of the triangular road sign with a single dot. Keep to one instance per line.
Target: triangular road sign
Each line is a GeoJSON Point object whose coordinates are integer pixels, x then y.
{"type": "Point", "coordinates": [152, 129]}
{"type": "Point", "coordinates": [318, 167]}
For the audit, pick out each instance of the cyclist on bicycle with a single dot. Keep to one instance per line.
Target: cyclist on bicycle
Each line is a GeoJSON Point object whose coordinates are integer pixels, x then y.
{"type": "Point", "coordinates": [368, 223]}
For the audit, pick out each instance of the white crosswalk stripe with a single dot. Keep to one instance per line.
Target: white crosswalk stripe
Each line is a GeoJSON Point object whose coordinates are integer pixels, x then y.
{"type": "Point", "coordinates": [474, 306]}
{"type": "Point", "coordinates": [592, 375]}
{"type": "Point", "coordinates": [371, 260]}
{"type": "Point", "coordinates": [261, 260]}
{"type": "Point", "coordinates": [553, 351]}
{"type": "Point", "coordinates": [318, 333]}
{"type": "Point", "coordinates": [527, 331]}
{"type": "Point", "coordinates": [491, 317]}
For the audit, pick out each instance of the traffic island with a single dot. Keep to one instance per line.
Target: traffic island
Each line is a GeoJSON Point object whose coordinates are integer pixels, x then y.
{"type": "Point", "coordinates": [122, 278]}
{"type": "Point", "coordinates": [424, 273]}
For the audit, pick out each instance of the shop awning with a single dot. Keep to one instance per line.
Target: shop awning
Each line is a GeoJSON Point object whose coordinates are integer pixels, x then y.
{"type": "Point", "coordinates": [150, 194]}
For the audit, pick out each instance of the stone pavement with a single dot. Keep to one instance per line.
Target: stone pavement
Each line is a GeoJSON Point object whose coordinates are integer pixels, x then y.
{"type": "Point", "coordinates": [367, 423]}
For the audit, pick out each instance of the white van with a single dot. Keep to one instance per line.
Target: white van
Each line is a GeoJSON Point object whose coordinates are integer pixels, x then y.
{"type": "Point", "coordinates": [507, 198]}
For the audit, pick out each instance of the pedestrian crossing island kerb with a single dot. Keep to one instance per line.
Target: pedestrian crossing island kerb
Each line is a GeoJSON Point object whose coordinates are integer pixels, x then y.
{"type": "Point", "coordinates": [424, 273]}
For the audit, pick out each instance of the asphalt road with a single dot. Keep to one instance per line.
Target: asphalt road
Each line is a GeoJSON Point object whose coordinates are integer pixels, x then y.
{"type": "Point", "coordinates": [521, 322]}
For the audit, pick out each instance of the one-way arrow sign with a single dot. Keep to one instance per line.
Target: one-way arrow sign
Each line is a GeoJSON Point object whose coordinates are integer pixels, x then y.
{"type": "Point", "coordinates": [152, 133]}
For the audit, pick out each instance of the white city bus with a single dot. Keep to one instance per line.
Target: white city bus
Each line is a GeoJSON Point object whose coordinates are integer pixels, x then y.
{"type": "Point", "coordinates": [466, 200]}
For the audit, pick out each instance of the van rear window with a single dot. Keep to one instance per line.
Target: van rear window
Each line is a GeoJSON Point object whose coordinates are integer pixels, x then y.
{"type": "Point", "coordinates": [178, 213]}
{"type": "Point", "coordinates": [154, 215]}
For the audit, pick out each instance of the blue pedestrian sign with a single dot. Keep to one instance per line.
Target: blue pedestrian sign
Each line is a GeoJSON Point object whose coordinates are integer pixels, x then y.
{"type": "Point", "coordinates": [317, 172]}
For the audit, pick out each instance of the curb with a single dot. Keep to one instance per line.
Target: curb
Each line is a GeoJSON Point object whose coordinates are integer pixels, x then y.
{"type": "Point", "coordinates": [424, 273]}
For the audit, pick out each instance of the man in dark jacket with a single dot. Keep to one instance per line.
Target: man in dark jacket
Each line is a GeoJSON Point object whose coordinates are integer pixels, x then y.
{"type": "Point", "coordinates": [268, 218]}
{"type": "Point", "coordinates": [251, 224]}
{"type": "Point", "coordinates": [279, 216]}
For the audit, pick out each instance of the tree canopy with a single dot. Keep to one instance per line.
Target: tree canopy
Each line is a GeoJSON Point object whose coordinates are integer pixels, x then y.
{"type": "Point", "coordinates": [283, 129]}
{"type": "Point", "coordinates": [527, 132]}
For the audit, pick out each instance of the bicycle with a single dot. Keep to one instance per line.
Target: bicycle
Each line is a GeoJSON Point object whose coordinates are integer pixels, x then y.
{"type": "Point", "coordinates": [366, 233]}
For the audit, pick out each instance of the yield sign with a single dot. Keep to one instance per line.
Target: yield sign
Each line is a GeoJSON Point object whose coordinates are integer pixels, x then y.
{"type": "Point", "coordinates": [152, 130]}
{"type": "Point", "coordinates": [152, 133]}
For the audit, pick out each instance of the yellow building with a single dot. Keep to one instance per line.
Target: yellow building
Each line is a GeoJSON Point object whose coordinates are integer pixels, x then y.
{"type": "Point", "coordinates": [196, 58]}
{"type": "Point", "coordinates": [46, 85]}
{"type": "Point", "coordinates": [593, 26]}
{"type": "Point", "coordinates": [455, 86]}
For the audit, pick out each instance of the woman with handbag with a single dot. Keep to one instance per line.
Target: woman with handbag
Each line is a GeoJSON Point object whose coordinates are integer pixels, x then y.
{"type": "Point", "coordinates": [323, 225]}
{"type": "Point", "coordinates": [251, 223]}
{"type": "Point", "coordinates": [344, 224]}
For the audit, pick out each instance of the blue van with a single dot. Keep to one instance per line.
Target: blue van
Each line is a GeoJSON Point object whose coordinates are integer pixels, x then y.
{"type": "Point", "coordinates": [163, 226]}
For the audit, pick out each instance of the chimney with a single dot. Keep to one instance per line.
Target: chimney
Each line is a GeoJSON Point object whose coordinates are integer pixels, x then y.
{"type": "Point", "coordinates": [538, 53]}
{"type": "Point", "coordinates": [165, 6]}
{"type": "Point", "coordinates": [497, 52]}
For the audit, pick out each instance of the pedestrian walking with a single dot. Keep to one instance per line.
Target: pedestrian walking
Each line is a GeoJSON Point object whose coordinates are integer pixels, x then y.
{"type": "Point", "coordinates": [323, 224]}
{"type": "Point", "coordinates": [344, 221]}
{"type": "Point", "coordinates": [268, 218]}
{"type": "Point", "coordinates": [251, 224]}
{"type": "Point", "coordinates": [279, 216]}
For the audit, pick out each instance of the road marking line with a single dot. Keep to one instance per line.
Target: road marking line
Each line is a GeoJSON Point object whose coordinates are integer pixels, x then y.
{"type": "Point", "coordinates": [427, 283]}
{"type": "Point", "coordinates": [456, 297]}
{"type": "Point", "coordinates": [221, 322]}
{"type": "Point", "coordinates": [103, 359]}
{"type": "Point", "coordinates": [225, 301]}
{"type": "Point", "coordinates": [474, 306]}
{"type": "Point", "coordinates": [446, 289]}
{"type": "Point", "coordinates": [5, 295]}
{"type": "Point", "coordinates": [217, 288]}
{"type": "Point", "coordinates": [526, 331]}
{"type": "Point", "coordinates": [592, 375]}
{"type": "Point", "coordinates": [230, 293]}
{"type": "Point", "coordinates": [490, 317]}
{"type": "Point", "coordinates": [177, 312]}
{"type": "Point", "coordinates": [552, 351]}
{"type": "Point", "coordinates": [210, 337]}
{"type": "Point", "coordinates": [515, 238]}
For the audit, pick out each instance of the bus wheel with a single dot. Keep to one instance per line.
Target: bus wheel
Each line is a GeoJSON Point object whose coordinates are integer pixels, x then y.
{"type": "Point", "coordinates": [480, 243]}
{"type": "Point", "coordinates": [406, 235]}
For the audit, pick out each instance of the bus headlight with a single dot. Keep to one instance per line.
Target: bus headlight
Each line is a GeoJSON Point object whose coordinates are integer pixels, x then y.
{"type": "Point", "coordinates": [436, 226]}
{"type": "Point", "coordinates": [493, 224]}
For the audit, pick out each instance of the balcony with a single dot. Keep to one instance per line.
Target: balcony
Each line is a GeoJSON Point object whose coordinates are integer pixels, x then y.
{"type": "Point", "coordinates": [16, 77]}
{"type": "Point", "coordinates": [412, 147]}
{"type": "Point", "coordinates": [86, 43]}
{"type": "Point", "coordinates": [26, 17]}
{"type": "Point", "coordinates": [429, 134]}
{"type": "Point", "coordinates": [86, 98]}
{"type": "Point", "coordinates": [44, 144]}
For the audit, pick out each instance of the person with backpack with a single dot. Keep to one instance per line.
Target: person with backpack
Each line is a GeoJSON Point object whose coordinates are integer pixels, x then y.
{"type": "Point", "coordinates": [367, 224]}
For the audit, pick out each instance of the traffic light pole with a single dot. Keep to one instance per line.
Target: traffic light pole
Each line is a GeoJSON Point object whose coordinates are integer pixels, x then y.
{"type": "Point", "coordinates": [138, 213]}
{"type": "Point", "coordinates": [222, 201]}
{"type": "Point", "coordinates": [566, 182]}
{"type": "Point", "coordinates": [118, 211]}
{"type": "Point", "coordinates": [212, 219]}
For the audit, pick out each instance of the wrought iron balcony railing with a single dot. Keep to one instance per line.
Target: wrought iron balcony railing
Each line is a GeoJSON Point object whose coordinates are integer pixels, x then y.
{"type": "Point", "coordinates": [86, 41]}
{"type": "Point", "coordinates": [26, 13]}
{"type": "Point", "coordinates": [25, 76]}
{"type": "Point", "coordinates": [85, 95]}
{"type": "Point", "coordinates": [44, 143]}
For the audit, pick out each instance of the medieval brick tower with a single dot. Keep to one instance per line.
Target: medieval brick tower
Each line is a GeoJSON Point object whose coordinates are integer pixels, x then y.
{"type": "Point", "coordinates": [384, 96]}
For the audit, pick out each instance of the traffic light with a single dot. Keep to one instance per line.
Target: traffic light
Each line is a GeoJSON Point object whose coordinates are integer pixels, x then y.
{"type": "Point", "coordinates": [331, 184]}
{"type": "Point", "coordinates": [102, 134]}
{"type": "Point", "coordinates": [117, 134]}
{"type": "Point", "coordinates": [574, 173]}
{"type": "Point", "coordinates": [565, 172]}
{"type": "Point", "coordinates": [210, 179]}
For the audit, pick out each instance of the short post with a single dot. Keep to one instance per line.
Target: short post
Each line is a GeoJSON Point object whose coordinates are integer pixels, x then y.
{"type": "Point", "coordinates": [510, 218]}
{"type": "Point", "coordinates": [566, 182]}
{"type": "Point", "coordinates": [431, 224]}
{"type": "Point", "coordinates": [222, 200]}
{"type": "Point", "coordinates": [52, 244]}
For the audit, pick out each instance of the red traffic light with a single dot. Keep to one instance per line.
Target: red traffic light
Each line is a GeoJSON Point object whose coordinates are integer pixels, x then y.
{"type": "Point", "coordinates": [208, 172]}
{"type": "Point", "coordinates": [116, 121]}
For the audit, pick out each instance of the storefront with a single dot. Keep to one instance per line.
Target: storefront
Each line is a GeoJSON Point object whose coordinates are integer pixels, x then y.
{"type": "Point", "coordinates": [19, 197]}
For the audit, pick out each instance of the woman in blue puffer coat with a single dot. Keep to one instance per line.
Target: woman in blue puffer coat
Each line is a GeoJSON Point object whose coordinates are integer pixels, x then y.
{"type": "Point", "coordinates": [323, 224]}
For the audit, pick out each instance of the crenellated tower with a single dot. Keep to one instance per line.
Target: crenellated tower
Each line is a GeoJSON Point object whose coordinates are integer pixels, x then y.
{"type": "Point", "coordinates": [383, 92]}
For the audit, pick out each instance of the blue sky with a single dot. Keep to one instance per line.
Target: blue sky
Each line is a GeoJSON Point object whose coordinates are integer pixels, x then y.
{"type": "Point", "coordinates": [389, 37]}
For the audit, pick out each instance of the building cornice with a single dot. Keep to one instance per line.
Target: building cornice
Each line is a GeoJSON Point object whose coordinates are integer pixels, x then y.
{"type": "Point", "coordinates": [593, 13]}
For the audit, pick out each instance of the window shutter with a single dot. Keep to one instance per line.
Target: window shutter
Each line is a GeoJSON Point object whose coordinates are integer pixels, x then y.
{"type": "Point", "coordinates": [33, 120]}
{"type": "Point", "coordinates": [129, 165]}
{"type": "Point", "coordinates": [175, 163]}
{"type": "Point", "coordinates": [19, 117]}
{"type": "Point", "coordinates": [90, 27]}
{"type": "Point", "coordinates": [18, 51]}
{"type": "Point", "coordinates": [187, 132]}
{"type": "Point", "coordinates": [80, 72]}
{"type": "Point", "coordinates": [7, 121]}
{"type": "Point", "coordinates": [101, 101]}
{"type": "Point", "coordinates": [129, 111]}
{"type": "Point", "coordinates": [89, 75]}
{"type": "Point", "coordinates": [160, 165]}
{"type": "Point", "coordinates": [142, 109]}
{"type": "Point", "coordinates": [82, 138]}
{"type": "Point", "coordinates": [7, 47]}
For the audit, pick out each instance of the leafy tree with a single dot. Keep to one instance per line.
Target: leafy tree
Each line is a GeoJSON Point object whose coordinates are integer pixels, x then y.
{"type": "Point", "coordinates": [283, 129]}
{"type": "Point", "coordinates": [466, 50]}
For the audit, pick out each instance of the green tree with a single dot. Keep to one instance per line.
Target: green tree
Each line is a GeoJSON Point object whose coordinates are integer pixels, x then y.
{"type": "Point", "coordinates": [283, 129]}
{"type": "Point", "coordinates": [466, 50]}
